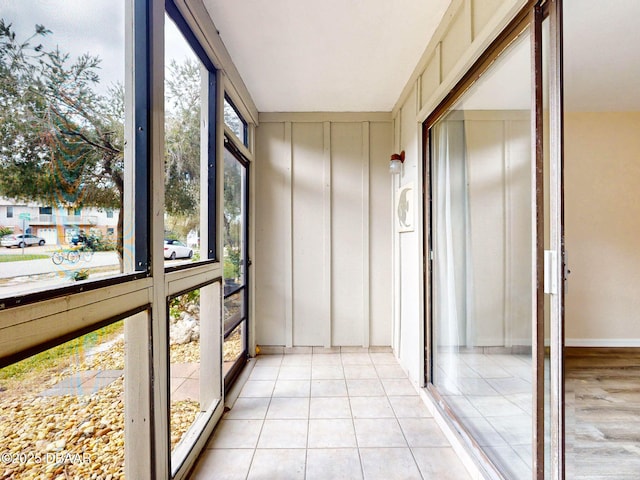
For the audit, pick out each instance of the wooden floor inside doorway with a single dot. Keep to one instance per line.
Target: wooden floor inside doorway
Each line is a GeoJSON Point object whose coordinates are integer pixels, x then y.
{"type": "Point", "coordinates": [602, 397]}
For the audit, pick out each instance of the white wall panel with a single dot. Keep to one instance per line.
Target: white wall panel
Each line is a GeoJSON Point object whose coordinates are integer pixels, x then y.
{"type": "Point", "coordinates": [410, 318]}
{"type": "Point", "coordinates": [322, 216]}
{"type": "Point", "coordinates": [272, 200]}
{"type": "Point", "coordinates": [347, 233]}
{"type": "Point", "coordinates": [380, 225]}
{"type": "Point", "coordinates": [308, 234]}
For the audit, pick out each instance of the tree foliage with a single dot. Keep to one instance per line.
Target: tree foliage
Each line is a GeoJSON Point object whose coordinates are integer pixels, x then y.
{"type": "Point", "coordinates": [182, 146]}
{"type": "Point", "coordinates": [61, 143]}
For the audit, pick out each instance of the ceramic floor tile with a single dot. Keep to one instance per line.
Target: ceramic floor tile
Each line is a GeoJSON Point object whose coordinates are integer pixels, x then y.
{"type": "Point", "coordinates": [516, 430]}
{"type": "Point", "coordinates": [379, 432]}
{"type": "Point", "coordinates": [346, 415]}
{"type": "Point", "coordinates": [288, 407]}
{"type": "Point", "coordinates": [330, 407]}
{"type": "Point", "coordinates": [383, 358]}
{"type": "Point", "coordinates": [440, 464]}
{"type": "Point", "coordinates": [257, 388]}
{"type": "Point", "coordinates": [283, 434]}
{"type": "Point", "coordinates": [475, 386]}
{"type": "Point", "coordinates": [398, 386]}
{"type": "Point", "coordinates": [331, 433]}
{"type": "Point", "coordinates": [510, 462]}
{"type": "Point", "coordinates": [492, 371]}
{"type": "Point", "coordinates": [296, 359]}
{"type": "Point", "coordinates": [223, 464]}
{"type": "Point", "coordinates": [334, 464]}
{"type": "Point", "coordinates": [281, 464]}
{"type": "Point", "coordinates": [409, 407]}
{"type": "Point", "coordinates": [327, 372]}
{"type": "Point", "coordinates": [356, 359]}
{"type": "Point", "coordinates": [295, 372]}
{"type": "Point", "coordinates": [510, 386]}
{"type": "Point", "coordinates": [496, 405]}
{"type": "Point", "coordinates": [389, 463]}
{"type": "Point", "coordinates": [423, 432]}
{"type": "Point", "coordinates": [269, 360]}
{"type": "Point", "coordinates": [327, 359]}
{"type": "Point", "coordinates": [292, 388]}
{"type": "Point", "coordinates": [264, 373]}
{"type": "Point", "coordinates": [328, 388]}
{"type": "Point", "coordinates": [371, 407]}
{"type": "Point", "coordinates": [360, 371]}
{"type": "Point", "coordinates": [365, 388]}
{"type": "Point", "coordinates": [236, 434]}
{"type": "Point", "coordinates": [390, 371]}
{"type": "Point", "coordinates": [462, 406]}
{"type": "Point", "coordinates": [484, 433]}
{"type": "Point", "coordinates": [248, 408]}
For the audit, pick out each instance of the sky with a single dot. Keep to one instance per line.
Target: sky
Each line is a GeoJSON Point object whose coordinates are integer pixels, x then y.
{"type": "Point", "coordinates": [85, 26]}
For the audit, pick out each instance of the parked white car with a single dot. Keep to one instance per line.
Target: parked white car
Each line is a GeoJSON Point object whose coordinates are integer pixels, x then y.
{"type": "Point", "coordinates": [20, 241]}
{"type": "Point", "coordinates": [176, 249]}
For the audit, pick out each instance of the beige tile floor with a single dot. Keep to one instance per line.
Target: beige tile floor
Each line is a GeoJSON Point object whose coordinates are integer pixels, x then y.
{"type": "Point", "coordinates": [492, 396]}
{"type": "Point", "coordinates": [328, 416]}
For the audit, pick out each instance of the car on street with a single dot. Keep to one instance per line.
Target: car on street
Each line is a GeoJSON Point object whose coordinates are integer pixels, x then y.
{"type": "Point", "coordinates": [176, 249]}
{"type": "Point", "coordinates": [24, 240]}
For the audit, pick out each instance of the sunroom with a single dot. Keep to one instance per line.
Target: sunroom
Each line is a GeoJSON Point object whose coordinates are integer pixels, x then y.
{"type": "Point", "coordinates": [275, 298]}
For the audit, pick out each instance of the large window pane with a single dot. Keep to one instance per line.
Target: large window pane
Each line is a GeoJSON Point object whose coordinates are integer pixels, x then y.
{"type": "Point", "coordinates": [183, 148]}
{"type": "Point", "coordinates": [194, 365]}
{"type": "Point", "coordinates": [234, 222]}
{"type": "Point", "coordinates": [184, 354]}
{"type": "Point", "coordinates": [62, 410]}
{"type": "Point", "coordinates": [482, 240]}
{"type": "Point", "coordinates": [62, 147]}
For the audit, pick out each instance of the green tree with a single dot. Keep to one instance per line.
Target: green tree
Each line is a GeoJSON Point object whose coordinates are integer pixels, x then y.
{"type": "Point", "coordinates": [61, 143]}
{"type": "Point", "coordinates": [232, 217]}
{"type": "Point", "coordinates": [182, 146]}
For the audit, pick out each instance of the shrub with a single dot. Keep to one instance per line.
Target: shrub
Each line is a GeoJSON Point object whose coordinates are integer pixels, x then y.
{"type": "Point", "coordinates": [80, 275]}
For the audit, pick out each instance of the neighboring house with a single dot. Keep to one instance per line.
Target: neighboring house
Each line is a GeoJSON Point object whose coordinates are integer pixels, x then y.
{"type": "Point", "coordinates": [56, 225]}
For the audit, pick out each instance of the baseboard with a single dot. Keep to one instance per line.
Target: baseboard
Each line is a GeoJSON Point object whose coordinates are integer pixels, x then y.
{"type": "Point", "coordinates": [603, 343]}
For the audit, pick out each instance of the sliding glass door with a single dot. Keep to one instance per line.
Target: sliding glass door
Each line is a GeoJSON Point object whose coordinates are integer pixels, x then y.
{"type": "Point", "coordinates": [486, 159]}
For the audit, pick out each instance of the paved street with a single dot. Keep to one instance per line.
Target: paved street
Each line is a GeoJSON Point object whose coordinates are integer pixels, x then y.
{"type": "Point", "coordinates": [38, 267]}
{"type": "Point", "coordinates": [23, 276]}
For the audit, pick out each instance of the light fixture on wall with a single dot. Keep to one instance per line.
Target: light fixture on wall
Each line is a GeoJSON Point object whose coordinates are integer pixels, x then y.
{"type": "Point", "coordinates": [397, 159]}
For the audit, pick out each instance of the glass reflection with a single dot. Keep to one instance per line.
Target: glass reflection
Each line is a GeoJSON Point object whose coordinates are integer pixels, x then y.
{"type": "Point", "coordinates": [482, 240]}
{"type": "Point", "coordinates": [62, 153]}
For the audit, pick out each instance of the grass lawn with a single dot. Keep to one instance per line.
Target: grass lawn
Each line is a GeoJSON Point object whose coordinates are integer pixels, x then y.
{"type": "Point", "coordinates": [18, 257]}
{"type": "Point", "coordinates": [59, 356]}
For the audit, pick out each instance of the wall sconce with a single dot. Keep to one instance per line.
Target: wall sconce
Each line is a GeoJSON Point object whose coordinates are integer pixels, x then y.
{"type": "Point", "coordinates": [397, 159]}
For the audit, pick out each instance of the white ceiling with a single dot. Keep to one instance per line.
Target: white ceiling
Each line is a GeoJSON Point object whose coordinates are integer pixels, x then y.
{"type": "Point", "coordinates": [329, 55]}
{"type": "Point", "coordinates": [357, 55]}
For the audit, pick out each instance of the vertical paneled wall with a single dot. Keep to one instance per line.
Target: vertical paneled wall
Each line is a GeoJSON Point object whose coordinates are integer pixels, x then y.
{"type": "Point", "coordinates": [323, 230]}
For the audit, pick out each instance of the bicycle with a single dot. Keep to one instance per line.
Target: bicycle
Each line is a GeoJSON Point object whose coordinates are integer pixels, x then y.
{"type": "Point", "coordinates": [71, 256]}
